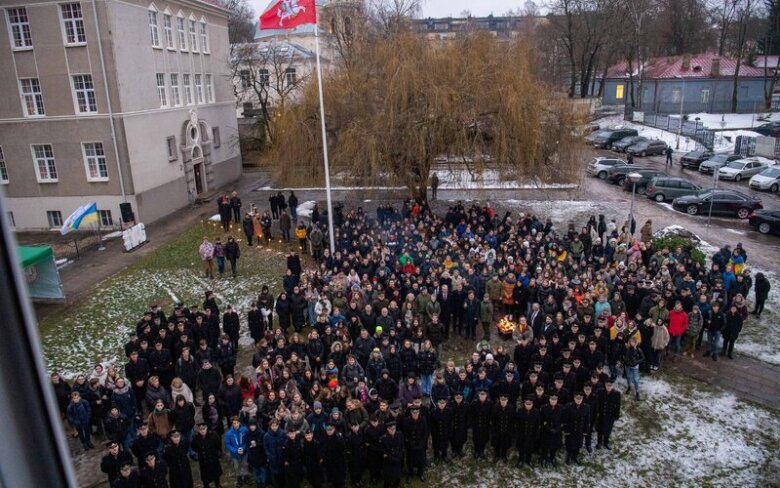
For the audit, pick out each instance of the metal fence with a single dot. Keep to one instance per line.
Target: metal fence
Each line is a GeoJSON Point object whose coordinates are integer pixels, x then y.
{"type": "Point", "coordinates": [690, 128]}
{"type": "Point", "coordinates": [752, 146]}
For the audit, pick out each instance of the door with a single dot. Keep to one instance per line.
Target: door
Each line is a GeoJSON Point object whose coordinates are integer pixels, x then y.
{"type": "Point", "coordinates": [198, 169]}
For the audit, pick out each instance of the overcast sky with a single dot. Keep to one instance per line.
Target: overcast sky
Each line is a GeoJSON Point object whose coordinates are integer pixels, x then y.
{"type": "Point", "coordinates": [443, 8]}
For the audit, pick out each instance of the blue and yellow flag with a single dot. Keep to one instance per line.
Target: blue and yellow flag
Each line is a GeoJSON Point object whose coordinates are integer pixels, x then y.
{"type": "Point", "coordinates": [84, 215]}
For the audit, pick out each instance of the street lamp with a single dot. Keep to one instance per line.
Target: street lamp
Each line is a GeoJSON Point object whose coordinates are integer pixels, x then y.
{"type": "Point", "coordinates": [633, 178]}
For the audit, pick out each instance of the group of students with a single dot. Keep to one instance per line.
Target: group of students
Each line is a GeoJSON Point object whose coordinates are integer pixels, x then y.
{"type": "Point", "coordinates": [348, 377]}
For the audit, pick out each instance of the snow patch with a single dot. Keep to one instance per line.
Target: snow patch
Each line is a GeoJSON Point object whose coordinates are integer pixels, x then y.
{"type": "Point", "coordinates": [215, 218]}
{"type": "Point", "coordinates": [305, 209]}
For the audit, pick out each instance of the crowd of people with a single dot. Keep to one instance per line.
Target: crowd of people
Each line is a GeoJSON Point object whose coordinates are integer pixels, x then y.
{"type": "Point", "coordinates": [353, 374]}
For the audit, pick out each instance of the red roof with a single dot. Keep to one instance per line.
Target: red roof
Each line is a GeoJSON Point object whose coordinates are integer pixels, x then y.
{"type": "Point", "coordinates": [700, 66]}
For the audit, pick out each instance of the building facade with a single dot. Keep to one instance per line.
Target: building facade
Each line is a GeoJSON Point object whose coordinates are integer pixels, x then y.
{"type": "Point", "coordinates": [113, 101]}
{"type": "Point", "coordinates": [687, 84]}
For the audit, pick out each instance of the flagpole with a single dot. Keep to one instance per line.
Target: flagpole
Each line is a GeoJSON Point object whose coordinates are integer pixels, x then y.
{"type": "Point", "coordinates": [331, 230]}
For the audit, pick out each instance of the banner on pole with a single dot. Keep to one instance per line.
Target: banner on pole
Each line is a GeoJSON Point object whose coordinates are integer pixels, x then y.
{"type": "Point", "coordinates": [288, 14]}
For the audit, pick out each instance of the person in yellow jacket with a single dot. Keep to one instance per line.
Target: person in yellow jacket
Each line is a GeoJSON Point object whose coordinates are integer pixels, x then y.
{"type": "Point", "coordinates": [300, 234]}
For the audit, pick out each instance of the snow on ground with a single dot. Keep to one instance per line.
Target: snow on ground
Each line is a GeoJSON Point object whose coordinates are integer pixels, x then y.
{"type": "Point", "coordinates": [564, 211]}
{"type": "Point", "coordinates": [305, 209]}
{"type": "Point", "coordinates": [734, 121]}
{"type": "Point", "coordinates": [215, 218]}
{"type": "Point", "coordinates": [112, 235]}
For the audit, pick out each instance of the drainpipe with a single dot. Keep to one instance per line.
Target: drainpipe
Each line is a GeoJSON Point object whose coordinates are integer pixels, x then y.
{"type": "Point", "coordinates": [108, 100]}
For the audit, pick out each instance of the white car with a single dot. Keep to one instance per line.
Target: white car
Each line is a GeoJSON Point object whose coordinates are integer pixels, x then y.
{"type": "Point", "coordinates": [744, 168]}
{"type": "Point", "coordinates": [769, 179]}
{"type": "Point", "coordinates": [600, 166]}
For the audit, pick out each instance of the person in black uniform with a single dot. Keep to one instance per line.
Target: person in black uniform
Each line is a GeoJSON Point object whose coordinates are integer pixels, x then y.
{"type": "Point", "coordinates": [335, 457]}
{"type": "Point", "coordinates": [479, 413]}
{"type": "Point", "coordinates": [591, 399]}
{"type": "Point", "coordinates": [113, 460]}
{"type": "Point", "coordinates": [145, 442]}
{"type": "Point", "coordinates": [551, 417]}
{"type": "Point", "coordinates": [154, 474]}
{"type": "Point", "coordinates": [576, 423]}
{"type": "Point", "coordinates": [128, 477]}
{"type": "Point", "coordinates": [292, 460]}
{"type": "Point", "coordinates": [392, 445]}
{"type": "Point", "coordinates": [356, 453]}
{"type": "Point", "coordinates": [609, 412]}
{"type": "Point", "coordinates": [313, 459]}
{"type": "Point", "coordinates": [441, 430]}
{"type": "Point", "coordinates": [527, 423]}
{"type": "Point", "coordinates": [208, 447]}
{"type": "Point", "coordinates": [502, 427]}
{"type": "Point", "coordinates": [460, 423]}
{"type": "Point", "coordinates": [175, 455]}
{"type": "Point", "coordinates": [415, 430]}
{"type": "Point", "coordinates": [374, 431]}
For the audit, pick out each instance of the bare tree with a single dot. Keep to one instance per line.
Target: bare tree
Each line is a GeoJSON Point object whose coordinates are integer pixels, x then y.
{"type": "Point", "coordinates": [241, 26]}
{"type": "Point", "coordinates": [392, 16]}
{"type": "Point", "coordinates": [745, 10]}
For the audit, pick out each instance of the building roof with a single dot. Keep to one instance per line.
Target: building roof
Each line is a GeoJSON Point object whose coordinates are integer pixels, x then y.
{"type": "Point", "coordinates": [215, 3]}
{"type": "Point", "coordinates": [699, 66]}
{"type": "Point", "coordinates": [281, 47]}
{"type": "Point", "coordinates": [301, 30]}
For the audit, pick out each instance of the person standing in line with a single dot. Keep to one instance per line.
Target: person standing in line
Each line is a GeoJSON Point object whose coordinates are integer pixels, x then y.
{"type": "Point", "coordinates": [249, 230]}
{"type": "Point", "coordinates": [232, 253]}
{"type": "Point", "coordinates": [285, 224]}
{"type": "Point", "coordinates": [223, 204]}
{"type": "Point", "coordinates": [292, 202]}
{"type": "Point", "coordinates": [235, 206]}
{"type": "Point", "coordinates": [273, 200]}
{"type": "Point", "coordinates": [434, 185]}
{"type": "Point", "coordinates": [206, 252]}
{"type": "Point", "coordinates": [79, 415]}
{"type": "Point", "coordinates": [634, 357]}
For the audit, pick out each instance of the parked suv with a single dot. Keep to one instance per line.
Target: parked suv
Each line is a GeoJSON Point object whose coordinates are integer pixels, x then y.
{"type": "Point", "coordinates": [663, 188]}
{"type": "Point", "coordinates": [693, 159]}
{"type": "Point", "coordinates": [600, 166]}
{"type": "Point", "coordinates": [716, 161]}
{"type": "Point", "coordinates": [646, 148]}
{"type": "Point", "coordinates": [617, 174]}
{"type": "Point", "coordinates": [641, 185]}
{"type": "Point", "coordinates": [624, 143]}
{"type": "Point", "coordinates": [605, 139]}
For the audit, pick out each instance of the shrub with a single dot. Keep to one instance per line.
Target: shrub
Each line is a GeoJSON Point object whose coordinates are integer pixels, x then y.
{"type": "Point", "coordinates": [673, 242]}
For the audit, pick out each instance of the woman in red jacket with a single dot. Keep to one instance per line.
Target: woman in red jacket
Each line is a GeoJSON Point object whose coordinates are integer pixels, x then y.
{"type": "Point", "coordinates": [678, 323]}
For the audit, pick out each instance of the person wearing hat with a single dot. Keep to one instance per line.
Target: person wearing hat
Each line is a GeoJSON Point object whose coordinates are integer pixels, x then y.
{"type": "Point", "coordinates": [113, 460]}
{"type": "Point", "coordinates": [441, 429]}
{"type": "Point", "coordinates": [551, 429]}
{"type": "Point", "coordinates": [313, 459]}
{"type": "Point", "coordinates": [576, 423]}
{"type": "Point", "coordinates": [392, 446]}
{"type": "Point", "coordinates": [608, 412]}
{"type": "Point", "coordinates": [128, 477]}
{"type": "Point", "coordinates": [371, 435]}
{"type": "Point", "coordinates": [335, 456]}
{"type": "Point", "coordinates": [354, 440]}
{"type": "Point", "coordinates": [502, 427]}
{"type": "Point", "coordinates": [208, 448]}
{"type": "Point", "coordinates": [480, 411]}
{"type": "Point", "coordinates": [527, 429]}
{"type": "Point", "coordinates": [154, 473]}
{"type": "Point", "coordinates": [292, 460]}
{"type": "Point", "coordinates": [144, 442]}
{"type": "Point", "coordinates": [175, 455]}
{"type": "Point", "coordinates": [416, 432]}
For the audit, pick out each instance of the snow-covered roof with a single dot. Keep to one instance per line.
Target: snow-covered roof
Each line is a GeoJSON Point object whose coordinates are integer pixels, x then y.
{"type": "Point", "coordinates": [688, 66]}
{"type": "Point", "coordinates": [276, 46]}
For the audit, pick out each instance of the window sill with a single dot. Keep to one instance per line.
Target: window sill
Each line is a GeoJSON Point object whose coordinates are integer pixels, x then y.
{"type": "Point", "coordinates": [86, 114]}
{"type": "Point", "coordinates": [4, 182]}
{"type": "Point", "coordinates": [172, 49]}
{"type": "Point", "coordinates": [75, 44]}
{"type": "Point", "coordinates": [22, 49]}
{"type": "Point", "coordinates": [183, 50]}
{"type": "Point", "coordinates": [34, 116]}
{"type": "Point", "coordinates": [97, 180]}
{"type": "Point", "coordinates": [47, 182]}
{"type": "Point", "coordinates": [157, 47]}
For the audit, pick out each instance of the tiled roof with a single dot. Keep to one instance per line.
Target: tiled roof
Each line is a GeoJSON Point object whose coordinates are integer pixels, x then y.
{"type": "Point", "coordinates": [700, 66]}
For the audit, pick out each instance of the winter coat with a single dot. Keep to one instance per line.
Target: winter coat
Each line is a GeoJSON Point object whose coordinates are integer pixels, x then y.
{"type": "Point", "coordinates": [209, 451]}
{"type": "Point", "coordinates": [678, 323]}
{"type": "Point", "coordinates": [634, 357]}
{"type": "Point", "coordinates": [552, 426]}
{"type": "Point", "coordinates": [124, 400]}
{"type": "Point", "coordinates": [273, 443]}
{"type": "Point", "coordinates": [576, 423]}
{"type": "Point", "coordinates": [179, 470]}
{"type": "Point", "coordinates": [184, 417]}
{"type": "Point", "coordinates": [160, 422]}
{"type": "Point", "coordinates": [660, 338]}
{"type": "Point", "coordinates": [441, 427]}
{"type": "Point", "coordinates": [156, 477]}
{"type": "Point", "coordinates": [480, 416]}
{"type": "Point", "coordinates": [502, 421]}
{"type": "Point", "coordinates": [527, 428]}
{"type": "Point", "coordinates": [79, 414]}
{"type": "Point", "coordinates": [486, 312]}
{"type": "Point", "coordinates": [235, 440]}
{"type": "Point", "coordinates": [229, 398]}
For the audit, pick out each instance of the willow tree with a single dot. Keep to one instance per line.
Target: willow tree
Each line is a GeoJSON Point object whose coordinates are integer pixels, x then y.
{"type": "Point", "coordinates": [409, 101]}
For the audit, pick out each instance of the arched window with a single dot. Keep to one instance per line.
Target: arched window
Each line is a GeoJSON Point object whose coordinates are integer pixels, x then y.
{"type": "Point", "coordinates": [197, 153]}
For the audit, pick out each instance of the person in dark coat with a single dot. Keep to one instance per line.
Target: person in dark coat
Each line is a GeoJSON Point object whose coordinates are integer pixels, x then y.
{"type": "Point", "coordinates": [256, 458]}
{"type": "Point", "coordinates": [225, 355]}
{"type": "Point", "coordinates": [154, 473]}
{"type": "Point", "coordinates": [208, 447]}
{"type": "Point", "coordinates": [145, 442]}
{"type": "Point", "coordinates": [591, 399]}
{"type": "Point", "coordinates": [298, 307]}
{"type": "Point", "coordinates": [249, 229]}
{"type": "Point", "coordinates": [416, 432]}
{"type": "Point", "coordinates": [576, 423]}
{"type": "Point", "coordinates": [137, 371]}
{"type": "Point", "coordinates": [392, 445]}
{"type": "Point", "coordinates": [374, 431]}
{"type": "Point", "coordinates": [284, 311]}
{"type": "Point", "coordinates": [356, 453]}
{"type": "Point", "coordinates": [175, 455]}
{"type": "Point", "coordinates": [273, 201]}
{"type": "Point", "coordinates": [608, 413]}
{"type": "Point", "coordinates": [273, 441]}
{"type": "Point", "coordinates": [441, 430]}
{"type": "Point", "coordinates": [235, 206]}
{"type": "Point", "coordinates": [230, 325]}
{"type": "Point", "coordinates": [292, 460]}
{"type": "Point", "coordinates": [223, 205]}
{"type": "Point", "coordinates": [232, 253]}
{"type": "Point", "coordinates": [114, 459]}
{"type": "Point", "coordinates": [527, 425]}
{"type": "Point", "coordinates": [313, 460]}
{"type": "Point", "coordinates": [117, 427]}
{"type": "Point", "coordinates": [128, 477]}
{"type": "Point", "coordinates": [551, 430]}
{"type": "Point", "coordinates": [460, 423]}
{"type": "Point", "coordinates": [335, 457]}
{"type": "Point", "coordinates": [762, 292]}
{"type": "Point", "coordinates": [502, 427]}
{"type": "Point", "coordinates": [479, 413]}
{"type": "Point", "coordinates": [734, 322]}
{"type": "Point", "coordinates": [471, 315]}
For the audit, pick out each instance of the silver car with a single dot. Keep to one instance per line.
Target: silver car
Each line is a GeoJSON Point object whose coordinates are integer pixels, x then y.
{"type": "Point", "coordinates": [744, 168]}
{"type": "Point", "coordinates": [769, 179]}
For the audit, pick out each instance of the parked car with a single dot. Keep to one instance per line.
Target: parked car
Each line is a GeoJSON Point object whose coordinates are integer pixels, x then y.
{"type": "Point", "coordinates": [716, 161]}
{"type": "Point", "coordinates": [769, 179]}
{"type": "Point", "coordinates": [663, 188]}
{"type": "Point", "coordinates": [765, 221]}
{"type": "Point", "coordinates": [744, 168]}
{"type": "Point", "coordinates": [600, 166]}
{"type": "Point", "coordinates": [693, 159]}
{"type": "Point", "coordinates": [768, 129]}
{"type": "Point", "coordinates": [641, 184]}
{"type": "Point", "coordinates": [724, 202]}
{"type": "Point", "coordinates": [624, 143]}
{"type": "Point", "coordinates": [605, 139]}
{"type": "Point", "coordinates": [617, 174]}
{"type": "Point", "coordinates": [647, 148]}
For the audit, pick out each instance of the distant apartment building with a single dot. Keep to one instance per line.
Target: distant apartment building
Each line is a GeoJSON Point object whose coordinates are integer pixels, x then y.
{"type": "Point", "coordinates": [505, 27]}
{"type": "Point", "coordinates": [113, 101]}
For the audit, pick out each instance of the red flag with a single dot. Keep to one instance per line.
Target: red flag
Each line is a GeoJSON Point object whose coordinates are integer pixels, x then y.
{"type": "Point", "coordinates": [286, 14]}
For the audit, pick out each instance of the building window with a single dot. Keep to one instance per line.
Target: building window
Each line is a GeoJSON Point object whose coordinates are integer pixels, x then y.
{"type": "Point", "coordinates": [187, 89]}
{"type": "Point", "coordinates": [290, 76]}
{"type": "Point", "coordinates": [45, 169]}
{"type": "Point", "coordinates": [55, 218]}
{"type": "Point", "coordinates": [85, 94]}
{"type": "Point", "coordinates": [95, 161]}
{"type": "Point", "coordinates": [204, 38]}
{"type": "Point", "coordinates": [172, 153]}
{"type": "Point", "coordinates": [175, 95]}
{"type": "Point", "coordinates": [248, 107]}
{"type": "Point", "coordinates": [168, 30]}
{"type": "Point", "coordinates": [32, 97]}
{"type": "Point", "coordinates": [246, 78]}
{"type": "Point", "coordinates": [73, 22]}
{"type": "Point", "coordinates": [182, 33]}
{"type": "Point", "coordinates": [209, 90]}
{"type": "Point", "coordinates": [19, 25]}
{"type": "Point", "coordinates": [264, 77]}
{"type": "Point", "coordinates": [193, 36]}
{"type": "Point", "coordinates": [3, 168]}
{"type": "Point", "coordinates": [619, 92]}
{"type": "Point", "coordinates": [216, 141]}
{"type": "Point", "coordinates": [105, 218]}
{"type": "Point", "coordinates": [676, 95]}
{"type": "Point", "coordinates": [198, 89]}
{"type": "Point", "coordinates": [161, 90]}
{"type": "Point", "coordinates": [705, 95]}
{"type": "Point", "coordinates": [154, 29]}
{"type": "Point", "coordinates": [11, 219]}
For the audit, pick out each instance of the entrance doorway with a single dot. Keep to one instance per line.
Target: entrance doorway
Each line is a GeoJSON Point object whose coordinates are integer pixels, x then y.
{"type": "Point", "coordinates": [198, 168]}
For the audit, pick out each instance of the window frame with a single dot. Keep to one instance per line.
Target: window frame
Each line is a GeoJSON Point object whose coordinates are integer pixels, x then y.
{"type": "Point", "coordinates": [4, 178]}
{"type": "Point", "coordinates": [181, 32]}
{"type": "Point", "coordinates": [105, 218]}
{"type": "Point", "coordinates": [170, 41]}
{"type": "Point", "coordinates": [96, 157]}
{"type": "Point", "coordinates": [208, 82]}
{"type": "Point", "coordinates": [290, 71]}
{"type": "Point", "coordinates": [154, 28]}
{"type": "Point", "coordinates": [197, 81]}
{"type": "Point", "coordinates": [193, 31]}
{"type": "Point", "coordinates": [173, 154]}
{"type": "Point", "coordinates": [162, 90]}
{"type": "Point", "coordinates": [246, 78]}
{"type": "Point", "coordinates": [620, 91]}
{"type": "Point", "coordinates": [264, 77]}
{"type": "Point", "coordinates": [22, 28]}
{"type": "Point", "coordinates": [204, 36]}
{"type": "Point", "coordinates": [676, 95]}
{"type": "Point", "coordinates": [704, 95]}
{"type": "Point", "coordinates": [40, 106]}
{"type": "Point", "coordinates": [49, 219]}
{"type": "Point", "coordinates": [216, 140]}
{"type": "Point", "coordinates": [73, 23]}
{"type": "Point", "coordinates": [85, 93]}
{"type": "Point", "coordinates": [45, 159]}
{"type": "Point", "coordinates": [189, 99]}
{"type": "Point", "coordinates": [175, 90]}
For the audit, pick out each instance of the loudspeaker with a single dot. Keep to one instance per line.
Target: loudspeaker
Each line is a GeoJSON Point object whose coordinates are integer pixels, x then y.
{"type": "Point", "coordinates": [127, 212]}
